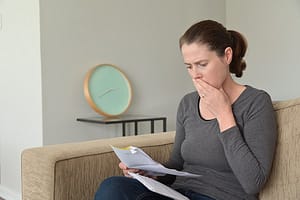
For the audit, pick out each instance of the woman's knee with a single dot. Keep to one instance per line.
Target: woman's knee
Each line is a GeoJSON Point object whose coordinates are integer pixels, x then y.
{"type": "Point", "coordinates": [113, 182]}
{"type": "Point", "coordinates": [116, 187]}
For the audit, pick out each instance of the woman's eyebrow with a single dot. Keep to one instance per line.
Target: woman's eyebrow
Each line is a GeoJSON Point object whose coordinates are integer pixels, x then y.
{"type": "Point", "coordinates": [196, 62]}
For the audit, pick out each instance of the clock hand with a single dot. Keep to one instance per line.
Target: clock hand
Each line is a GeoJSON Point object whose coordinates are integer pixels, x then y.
{"type": "Point", "coordinates": [108, 91]}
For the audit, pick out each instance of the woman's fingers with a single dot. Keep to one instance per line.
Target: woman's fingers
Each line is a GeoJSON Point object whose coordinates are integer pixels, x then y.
{"type": "Point", "coordinates": [202, 87]}
{"type": "Point", "coordinates": [122, 166]}
{"type": "Point", "coordinates": [126, 169]}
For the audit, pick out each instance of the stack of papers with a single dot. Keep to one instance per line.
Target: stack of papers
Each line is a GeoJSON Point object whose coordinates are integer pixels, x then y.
{"type": "Point", "coordinates": [134, 157]}
{"type": "Point", "coordinates": [158, 187]}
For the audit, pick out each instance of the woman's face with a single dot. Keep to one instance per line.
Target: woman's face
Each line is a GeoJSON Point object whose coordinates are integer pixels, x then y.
{"type": "Point", "coordinates": [205, 64]}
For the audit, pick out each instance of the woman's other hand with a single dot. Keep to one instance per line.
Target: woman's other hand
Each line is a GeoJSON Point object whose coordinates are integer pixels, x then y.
{"type": "Point", "coordinates": [217, 102]}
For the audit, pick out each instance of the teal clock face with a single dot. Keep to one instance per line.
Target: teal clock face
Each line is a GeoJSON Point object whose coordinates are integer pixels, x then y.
{"type": "Point", "coordinates": [107, 90]}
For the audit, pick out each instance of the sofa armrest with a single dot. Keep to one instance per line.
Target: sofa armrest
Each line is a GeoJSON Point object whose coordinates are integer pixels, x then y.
{"type": "Point", "coordinates": [74, 170]}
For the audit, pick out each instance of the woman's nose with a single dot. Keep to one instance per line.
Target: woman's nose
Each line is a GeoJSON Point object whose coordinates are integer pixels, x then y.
{"type": "Point", "coordinates": [195, 72]}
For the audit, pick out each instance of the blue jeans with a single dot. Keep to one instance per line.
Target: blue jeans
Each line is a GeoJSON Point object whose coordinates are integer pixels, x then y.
{"type": "Point", "coordinates": [124, 188]}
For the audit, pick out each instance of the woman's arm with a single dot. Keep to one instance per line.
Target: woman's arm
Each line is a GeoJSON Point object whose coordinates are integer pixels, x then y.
{"type": "Point", "coordinates": [249, 149]}
{"type": "Point", "coordinates": [175, 161]}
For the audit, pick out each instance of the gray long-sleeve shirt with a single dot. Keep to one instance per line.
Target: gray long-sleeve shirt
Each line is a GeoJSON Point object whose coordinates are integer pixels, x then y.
{"type": "Point", "coordinates": [234, 164]}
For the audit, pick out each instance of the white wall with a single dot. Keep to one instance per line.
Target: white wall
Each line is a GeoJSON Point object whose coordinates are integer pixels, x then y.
{"type": "Point", "coordinates": [139, 36]}
{"type": "Point", "coordinates": [20, 86]}
{"type": "Point", "coordinates": [272, 29]}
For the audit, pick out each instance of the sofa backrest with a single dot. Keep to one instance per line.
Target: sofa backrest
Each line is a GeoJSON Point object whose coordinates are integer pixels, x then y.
{"type": "Point", "coordinates": [284, 181]}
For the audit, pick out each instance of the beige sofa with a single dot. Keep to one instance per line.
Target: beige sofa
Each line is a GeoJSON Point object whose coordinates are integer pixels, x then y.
{"type": "Point", "coordinates": [73, 171]}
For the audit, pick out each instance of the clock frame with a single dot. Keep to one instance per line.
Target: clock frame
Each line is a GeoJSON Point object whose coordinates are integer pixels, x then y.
{"type": "Point", "coordinates": [107, 90]}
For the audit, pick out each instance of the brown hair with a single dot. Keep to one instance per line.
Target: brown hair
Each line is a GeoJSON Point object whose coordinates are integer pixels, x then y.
{"type": "Point", "coordinates": [217, 38]}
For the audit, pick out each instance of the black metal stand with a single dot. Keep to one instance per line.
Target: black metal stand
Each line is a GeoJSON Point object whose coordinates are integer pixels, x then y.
{"type": "Point", "coordinates": [124, 119]}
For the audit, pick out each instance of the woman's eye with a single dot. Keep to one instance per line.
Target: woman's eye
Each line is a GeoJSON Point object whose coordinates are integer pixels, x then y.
{"type": "Point", "coordinates": [188, 66]}
{"type": "Point", "coordinates": [202, 65]}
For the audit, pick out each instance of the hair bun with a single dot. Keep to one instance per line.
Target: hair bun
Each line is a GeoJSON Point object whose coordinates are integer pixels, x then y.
{"type": "Point", "coordinates": [239, 48]}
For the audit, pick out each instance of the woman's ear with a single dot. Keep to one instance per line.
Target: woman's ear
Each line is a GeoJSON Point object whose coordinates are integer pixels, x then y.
{"type": "Point", "coordinates": [228, 55]}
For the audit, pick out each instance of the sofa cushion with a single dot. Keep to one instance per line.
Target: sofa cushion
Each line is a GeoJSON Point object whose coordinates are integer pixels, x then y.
{"type": "Point", "coordinates": [284, 181]}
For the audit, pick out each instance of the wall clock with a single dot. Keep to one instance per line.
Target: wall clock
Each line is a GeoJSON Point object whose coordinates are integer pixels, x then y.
{"type": "Point", "coordinates": [107, 90]}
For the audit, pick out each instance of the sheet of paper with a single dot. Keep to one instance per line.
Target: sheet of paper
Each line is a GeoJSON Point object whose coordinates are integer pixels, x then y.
{"type": "Point", "coordinates": [134, 157]}
{"type": "Point", "coordinates": [158, 187]}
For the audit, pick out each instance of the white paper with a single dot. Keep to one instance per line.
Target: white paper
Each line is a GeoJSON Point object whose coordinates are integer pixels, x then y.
{"type": "Point", "coordinates": [134, 157]}
{"type": "Point", "coordinates": [158, 187]}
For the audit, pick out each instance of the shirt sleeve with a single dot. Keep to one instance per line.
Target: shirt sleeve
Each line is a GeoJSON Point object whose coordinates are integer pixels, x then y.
{"type": "Point", "coordinates": [176, 161]}
{"type": "Point", "coordinates": [249, 148]}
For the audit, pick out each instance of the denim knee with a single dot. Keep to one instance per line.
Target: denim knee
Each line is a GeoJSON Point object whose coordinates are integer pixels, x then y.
{"type": "Point", "coordinates": [119, 187]}
{"type": "Point", "coordinates": [108, 188]}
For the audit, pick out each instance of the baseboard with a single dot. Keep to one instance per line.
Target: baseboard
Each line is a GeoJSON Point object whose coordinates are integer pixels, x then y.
{"type": "Point", "coordinates": [8, 194]}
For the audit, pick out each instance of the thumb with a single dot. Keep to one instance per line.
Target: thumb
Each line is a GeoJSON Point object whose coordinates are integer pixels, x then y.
{"type": "Point", "coordinates": [122, 166]}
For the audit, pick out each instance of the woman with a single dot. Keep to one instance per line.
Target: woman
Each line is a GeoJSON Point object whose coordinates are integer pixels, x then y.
{"type": "Point", "coordinates": [225, 131]}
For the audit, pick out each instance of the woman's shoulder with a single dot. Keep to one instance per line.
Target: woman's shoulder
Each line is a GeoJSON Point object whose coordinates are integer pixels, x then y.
{"type": "Point", "coordinates": [192, 96]}
{"type": "Point", "coordinates": [189, 100]}
{"type": "Point", "coordinates": [254, 97]}
{"type": "Point", "coordinates": [255, 93]}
